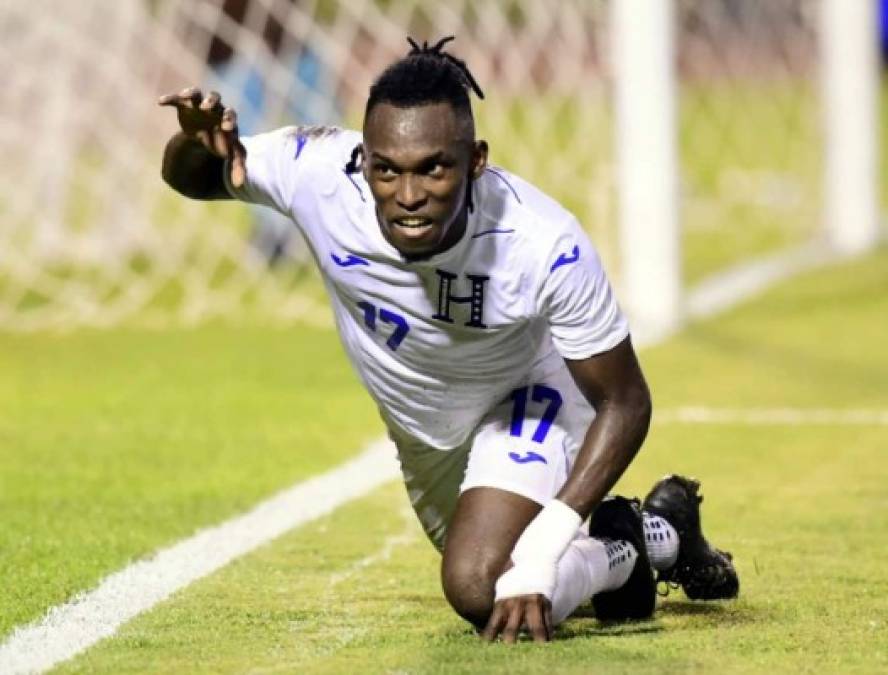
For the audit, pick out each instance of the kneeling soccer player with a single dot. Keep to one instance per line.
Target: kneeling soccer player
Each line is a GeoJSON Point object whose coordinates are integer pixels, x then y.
{"type": "Point", "coordinates": [478, 315]}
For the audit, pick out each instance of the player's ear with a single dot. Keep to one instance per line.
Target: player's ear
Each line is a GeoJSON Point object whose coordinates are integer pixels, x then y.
{"type": "Point", "coordinates": [479, 159]}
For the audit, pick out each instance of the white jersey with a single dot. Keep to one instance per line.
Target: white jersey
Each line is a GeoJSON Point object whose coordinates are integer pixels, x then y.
{"type": "Point", "coordinates": [439, 342]}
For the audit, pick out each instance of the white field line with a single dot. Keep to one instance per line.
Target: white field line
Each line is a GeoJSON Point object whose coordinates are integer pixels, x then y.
{"type": "Point", "coordinates": [772, 416]}
{"type": "Point", "coordinates": [68, 629]}
{"type": "Point", "coordinates": [724, 290]}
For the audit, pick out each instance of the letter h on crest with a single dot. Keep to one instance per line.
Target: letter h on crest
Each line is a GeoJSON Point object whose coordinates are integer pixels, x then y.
{"type": "Point", "coordinates": [475, 298]}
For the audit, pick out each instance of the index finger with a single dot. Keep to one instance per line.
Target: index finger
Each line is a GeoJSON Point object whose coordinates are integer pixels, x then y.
{"type": "Point", "coordinates": [190, 95]}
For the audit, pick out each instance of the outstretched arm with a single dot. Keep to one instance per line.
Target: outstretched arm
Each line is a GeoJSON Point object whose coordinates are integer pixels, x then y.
{"type": "Point", "coordinates": [195, 158]}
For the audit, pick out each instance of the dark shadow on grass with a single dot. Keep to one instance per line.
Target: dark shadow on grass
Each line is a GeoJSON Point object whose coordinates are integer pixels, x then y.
{"type": "Point", "coordinates": [584, 625]}
{"type": "Point", "coordinates": [574, 627]}
{"type": "Point", "coordinates": [717, 612]}
{"type": "Point", "coordinates": [690, 608]}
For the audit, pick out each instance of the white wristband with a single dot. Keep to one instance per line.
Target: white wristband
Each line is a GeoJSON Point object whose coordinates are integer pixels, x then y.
{"type": "Point", "coordinates": [537, 552]}
{"type": "Point", "coordinates": [548, 535]}
{"type": "Point", "coordinates": [527, 579]}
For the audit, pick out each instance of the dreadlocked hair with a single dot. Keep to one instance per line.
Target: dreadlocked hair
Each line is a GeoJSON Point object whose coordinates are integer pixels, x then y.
{"type": "Point", "coordinates": [427, 74]}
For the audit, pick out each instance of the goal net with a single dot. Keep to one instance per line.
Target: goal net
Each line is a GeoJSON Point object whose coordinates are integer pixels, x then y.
{"type": "Point", "coordinates": [90, 236]}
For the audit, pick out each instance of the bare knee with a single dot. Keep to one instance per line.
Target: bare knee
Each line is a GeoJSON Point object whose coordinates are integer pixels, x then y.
{"type": "Point", "coordinates": [480, 537]}
{"type": "Point", "coordinates": [468, 583]}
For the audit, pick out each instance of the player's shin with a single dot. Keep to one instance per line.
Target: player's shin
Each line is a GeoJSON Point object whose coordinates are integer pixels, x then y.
{"type": "Point", "coordinates": [588, 567]}
{"type": "Point", "coordinates": [553, 558]}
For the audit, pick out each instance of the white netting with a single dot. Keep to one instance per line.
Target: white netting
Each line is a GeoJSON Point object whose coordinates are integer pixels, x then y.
{"type": "Point", "coordinates": [89, 235]}
{"type": "Point", "coordinates": [750, 136]}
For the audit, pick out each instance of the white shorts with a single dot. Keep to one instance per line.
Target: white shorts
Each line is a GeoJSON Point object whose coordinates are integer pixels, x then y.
{"type": "Point", "coordinates": [526, 445]}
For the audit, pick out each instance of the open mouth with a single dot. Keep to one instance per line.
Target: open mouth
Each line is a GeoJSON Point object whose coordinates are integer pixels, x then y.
{"type": "Point", "coordinates": [413, 223]}
{"type": "Point", "coordinates": [413, 226]}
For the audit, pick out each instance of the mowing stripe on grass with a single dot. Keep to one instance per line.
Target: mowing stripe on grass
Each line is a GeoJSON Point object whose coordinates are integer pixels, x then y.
{"type": "Point", "coordinates": [772, 416]}
{"type": "Point", "coordinates": [384, 553]}
{"type": "Point", "coordinates": [68, 629]}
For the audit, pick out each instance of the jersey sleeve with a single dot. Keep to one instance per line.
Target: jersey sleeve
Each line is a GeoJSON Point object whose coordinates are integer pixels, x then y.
{"type": "Point", "coordinates": [277, 163]}
{"type": "Point", "coordinates": [577, 299]}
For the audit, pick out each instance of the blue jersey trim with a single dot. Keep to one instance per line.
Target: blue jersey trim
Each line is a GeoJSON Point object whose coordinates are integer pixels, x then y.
{"type": "Point", "coordinates": [493, 231]}
{"type": "Point", "coordinates": [506, 181]}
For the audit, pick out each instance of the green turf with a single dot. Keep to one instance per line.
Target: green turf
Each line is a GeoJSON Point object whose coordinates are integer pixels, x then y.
{"type": "Point", "coordinates": [114, 443]}
{"type": "Point", "coordinates": [804, 509]}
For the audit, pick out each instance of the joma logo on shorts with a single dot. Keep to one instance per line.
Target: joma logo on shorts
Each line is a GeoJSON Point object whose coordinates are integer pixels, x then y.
{"type": "Point", "coordinates": [529, 456]}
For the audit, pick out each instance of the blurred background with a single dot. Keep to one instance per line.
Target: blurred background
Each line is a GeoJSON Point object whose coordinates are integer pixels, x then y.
{"type": "Point", "coordinates": [736, 132]}
{"type": "Point", "coordinates": [166, 364]}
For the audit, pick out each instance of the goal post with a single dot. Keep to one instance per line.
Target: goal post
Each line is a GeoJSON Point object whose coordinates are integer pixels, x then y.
{"type": "Point", "coordinates": [647, 164]}
{"type": "Point", "coordinates": [850, 97]}
{"type": "Point", "coordinates": [649, 172]}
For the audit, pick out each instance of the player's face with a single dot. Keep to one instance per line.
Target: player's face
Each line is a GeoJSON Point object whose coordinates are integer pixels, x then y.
{"type": "Point", "coordinates": [418, 163]}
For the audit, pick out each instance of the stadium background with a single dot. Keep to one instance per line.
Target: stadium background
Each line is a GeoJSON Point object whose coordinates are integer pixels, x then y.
{"type": "Point", "coordinates": [165, 364]}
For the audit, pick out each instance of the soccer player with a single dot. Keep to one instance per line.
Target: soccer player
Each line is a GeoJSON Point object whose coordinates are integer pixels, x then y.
{"type": "Point", "coordinates": [478, 316]}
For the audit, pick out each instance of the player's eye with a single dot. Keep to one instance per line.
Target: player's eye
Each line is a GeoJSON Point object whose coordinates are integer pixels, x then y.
{"type": "Point", "coordinates": [436, 170]}
{"type": "Point", "coordinates": [384, 171]}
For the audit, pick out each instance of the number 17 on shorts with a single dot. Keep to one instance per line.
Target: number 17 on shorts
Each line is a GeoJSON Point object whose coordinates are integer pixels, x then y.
{"type": "Point", "coordinates": [521, 446]}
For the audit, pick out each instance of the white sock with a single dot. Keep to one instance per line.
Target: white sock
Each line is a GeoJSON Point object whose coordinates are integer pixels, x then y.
{"type": "Point", "coordinates": [588, 567]}
{"type": "Point", "coordinates": [661, 542]}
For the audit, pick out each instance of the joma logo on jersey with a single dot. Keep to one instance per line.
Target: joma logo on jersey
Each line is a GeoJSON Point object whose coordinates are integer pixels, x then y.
{"type": "Point", "coordinates": [475, 298]}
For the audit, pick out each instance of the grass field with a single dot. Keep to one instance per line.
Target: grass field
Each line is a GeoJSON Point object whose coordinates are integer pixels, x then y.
{"type": "Point", "coordinates": [116, 443]}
